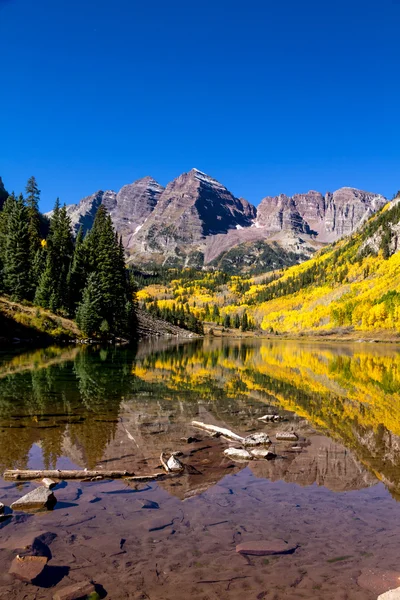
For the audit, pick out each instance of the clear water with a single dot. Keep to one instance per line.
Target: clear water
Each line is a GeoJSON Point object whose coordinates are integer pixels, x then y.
{"type": "Point", "coordinates": [336, 500]}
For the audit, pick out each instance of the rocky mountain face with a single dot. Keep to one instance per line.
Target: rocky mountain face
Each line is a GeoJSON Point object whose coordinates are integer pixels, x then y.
{"type": "Point", "coordinates": [326, 218]}
{"type": "Point", "coordinates": [195, 221]}
{"type": "Point", "coordinates": [129, 208]}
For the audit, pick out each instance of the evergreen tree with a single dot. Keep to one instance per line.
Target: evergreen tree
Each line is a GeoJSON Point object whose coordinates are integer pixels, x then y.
{"type": "Point", "coordinates": [110, 289]}
{"type": "Point", "coordinates": [52, 291]}
{"type": "Point", "coordinates": [32, 206]}
{"type": "Point", "coordinates": [245, 322]}
{"type": "Point", "coordinates": [4, 217]}
{"type": "Point", "coordinates": [16, 268]}
{"type": "Point", "coordinates": [77, 275]}
{"type": "Point", "coordinates": [88, 315]}
{"type": "Point", "coordinates": [227, 321]}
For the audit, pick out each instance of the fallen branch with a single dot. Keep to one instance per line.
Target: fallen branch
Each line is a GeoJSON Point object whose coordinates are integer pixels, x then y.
{"type": "Point", "coordinates": [226, 433]}
{"type": "Point", "coordinates": [29, 474]}
{"type": "Point", "coordinates": [164, 464]}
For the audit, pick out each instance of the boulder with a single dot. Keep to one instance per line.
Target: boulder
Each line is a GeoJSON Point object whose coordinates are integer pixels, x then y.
{"type": "Point", "coordinates": [287, 436]}
{"type": "Point", "coordinates": [174, 464]}
{"type": "Point", "coordinates": [257, 439]}
{"type": "Point", "coordinates": [238, 454]}
{"type": "Point", "coordinates": [265, 548]}
{"type": "Point", "coordinates": [39, 499]}
{"type": "Point", "coordinates": [75, 591]}
{"type": "Point", "coordinates": [390, 595]}
{"type": "Point", "coordinates": [263, 453]}
{"type": "Point", "coordinates": [49, 483]}
{"type": "Point", "coordinates": [378, 581]}
{"type": "Point", "coordinates": [27, 568]}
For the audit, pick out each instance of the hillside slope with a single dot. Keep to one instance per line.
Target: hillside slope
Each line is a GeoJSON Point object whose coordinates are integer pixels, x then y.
{"type": "Point", "coordinates": [25, 323]}
{"type": "Point", "coordinates": [351, 286]}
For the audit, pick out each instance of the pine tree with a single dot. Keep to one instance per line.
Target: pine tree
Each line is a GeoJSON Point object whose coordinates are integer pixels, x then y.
{"type": "Point", "coordinates": [237, 321]}
{"type": "Point", "coordinates": [88, 315]}
{"type": "Point", "coordinates": [32, 205]}
{"type": "Point", "coordinates": [113, 290]}
{"type": "Point", "coordinates": [227, 321]}
{"type": "Point", "coordinates": [77, 275]}
{"type": "Point", "coordinates": [52, 291]}
{"type": "Point", "coordinates": [4, 217]}
{"type": "Point", "coordinates": [245, 322]}
{"type": "Point", "coordinates": [17, 280]}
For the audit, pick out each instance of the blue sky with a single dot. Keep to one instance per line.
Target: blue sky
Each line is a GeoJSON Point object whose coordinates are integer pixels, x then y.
{"type": "Point", "coordinates": [267, 97]}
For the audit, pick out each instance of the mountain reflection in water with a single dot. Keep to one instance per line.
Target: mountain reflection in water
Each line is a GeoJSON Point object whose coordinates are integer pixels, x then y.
{"type": "Point", "coordinates": [119, 408]}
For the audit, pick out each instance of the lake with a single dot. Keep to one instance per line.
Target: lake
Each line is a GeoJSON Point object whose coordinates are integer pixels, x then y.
{"type": "Point", "coordinates": [335, 499]}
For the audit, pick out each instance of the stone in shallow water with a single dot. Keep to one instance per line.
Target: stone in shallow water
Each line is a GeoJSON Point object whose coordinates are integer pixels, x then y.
{"type": "Point", "coordinates": [378, 581]}
{"type": "Point", "coordinates": [75, 591]}
{"type": "Point", "coordinates": [257, 439]}
{"type": "Point", "coordinates": [238, 454]}
{"type": "Point", "coordinates": [49, 483]}
{"type": "Point", "coordinates": [265, 548]}
{"type": "Point", "coordinates": [2, 507]}
{"type": "Point", "coordinates": [263, 453]}
{"type": "Point", "coordinates": [287, 436]}
{"type": "Point", "coordinates": [27, 568]}
{"type": "Point", "coordinates": [390, 595]}
{"type": "Point", "coordinates": [39, 499]}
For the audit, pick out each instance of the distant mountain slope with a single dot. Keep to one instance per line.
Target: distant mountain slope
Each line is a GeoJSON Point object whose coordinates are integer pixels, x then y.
{"type": "Point", "coordinates": [351, 287]}
{"type": "Point", "coordinates": [197, 221]}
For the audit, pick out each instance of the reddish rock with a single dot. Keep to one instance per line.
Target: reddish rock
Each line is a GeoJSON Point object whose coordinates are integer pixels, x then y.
{"type": "Point", "coordinates": [378, 581]}
{"type": "Point", "coordinates": [27, 568]}
{"type": "Point", "coordinates": [264, 548]}
{"type": "Point", "coordinates": [75, 591]}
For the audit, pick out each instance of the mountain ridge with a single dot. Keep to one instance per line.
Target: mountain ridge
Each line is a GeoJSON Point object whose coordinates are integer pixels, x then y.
{"type": "Point", "coordinates": [195, 220]}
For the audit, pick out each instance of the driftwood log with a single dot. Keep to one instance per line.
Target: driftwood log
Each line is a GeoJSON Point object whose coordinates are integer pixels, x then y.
{"type": "Point", "coordinates": [29, 474]}
{"type": "Point", "coordinates": [226, 433]}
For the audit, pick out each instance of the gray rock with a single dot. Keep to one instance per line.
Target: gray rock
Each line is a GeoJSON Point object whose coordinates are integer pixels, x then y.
{"type": "Point", "coordinates": [174, 464]}
{"type": "Point", "coordinates": [39, 499]}
{"type": "Point", "coordinates": [257, 439]}
{"type": "Point", "coordinates": [286, 436]}
{"type": "Point", "coordinates": [49, 483]}
{"type": "Point", "coordinates": [390, 595]}
{"type": "Point", "coordinates": [238, 454]}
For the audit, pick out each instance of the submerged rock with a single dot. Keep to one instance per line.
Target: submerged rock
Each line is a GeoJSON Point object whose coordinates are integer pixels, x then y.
{"type": "Point", "coordinates": [378, 581]}
{"type": "Point", "coordinates": [82, 589]}
{"type": "Point", "coordinates": [257, 439]}
{"type": "Point", "coordinates": [287, 436]}
{"type": "Point", "coordinates": [39, 499]}
{"type": "Point", "coordinates": [27, 568]}
{"type": "Point", "coordinates": [271, 418]}
{"type": "Point", "coordinates": [263, 453]}
{"type": "Point", "coordinates": [49, 483]}
{"type": "Point", "coordinates": [174, 464]}
{"type": "Point", "coordinates": [390, 595]}
{"type": "Point", "coordinates": [264, 548]}
{"type": "Point", "coordinates": [238, 454]}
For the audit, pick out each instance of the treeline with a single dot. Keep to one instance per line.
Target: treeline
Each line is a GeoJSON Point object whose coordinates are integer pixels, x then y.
{"type": "Point", "coordinates": [179, 315]}
{"type": "Point", "coordinates": [83, 279]}
{"type": "Point", "coordinates": [228, 321]}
